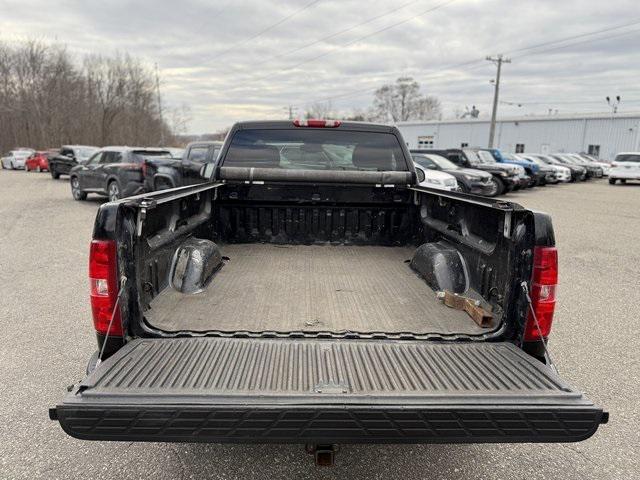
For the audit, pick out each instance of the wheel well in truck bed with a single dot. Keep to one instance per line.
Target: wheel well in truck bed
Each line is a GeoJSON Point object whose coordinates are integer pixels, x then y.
{"type": "Point", "coordinates": [481, 243]}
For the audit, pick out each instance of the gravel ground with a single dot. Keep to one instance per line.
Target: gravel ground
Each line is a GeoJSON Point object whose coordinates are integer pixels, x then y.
{"type": "Point", "coordinates": [47, 338]}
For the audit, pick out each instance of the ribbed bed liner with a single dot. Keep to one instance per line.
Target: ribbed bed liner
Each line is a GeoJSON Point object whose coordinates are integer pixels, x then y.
{"type": "Point", "coordinates": [289, 288]}
{"type": "Point", "coordinates": [194, 368]}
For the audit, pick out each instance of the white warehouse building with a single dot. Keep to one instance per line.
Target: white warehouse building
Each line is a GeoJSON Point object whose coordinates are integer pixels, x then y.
{"type": "Point", "coordinates": [602, 135]}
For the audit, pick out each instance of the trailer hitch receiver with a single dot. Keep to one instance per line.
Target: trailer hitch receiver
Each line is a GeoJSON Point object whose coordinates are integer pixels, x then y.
{"type": "Point", "coordinates": [323, 454]}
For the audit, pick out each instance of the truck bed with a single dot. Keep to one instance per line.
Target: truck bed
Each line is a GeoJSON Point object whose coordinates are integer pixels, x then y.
{"type": "Point", "coordinates": [287, 288]}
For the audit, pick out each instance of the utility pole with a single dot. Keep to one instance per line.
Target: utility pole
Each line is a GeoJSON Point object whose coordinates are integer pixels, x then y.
{"type": "Point", "coordinates": [498, 60]}
{"type": "Point", "coordinates": [290, 109]}
{"type": "Point", "coordinates": [159, 107]}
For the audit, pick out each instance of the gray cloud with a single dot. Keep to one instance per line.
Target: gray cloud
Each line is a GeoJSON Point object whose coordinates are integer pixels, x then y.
{"type": "Point", "coordinates": [189, 40]}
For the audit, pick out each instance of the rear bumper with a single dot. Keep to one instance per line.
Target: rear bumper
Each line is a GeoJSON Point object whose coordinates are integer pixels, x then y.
{"type": "Point", "coordinates": [329, 424]}
{"type": "Point", "coordinates": [617, 174]}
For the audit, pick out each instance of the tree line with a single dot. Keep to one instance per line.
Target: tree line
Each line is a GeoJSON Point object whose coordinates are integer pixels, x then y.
{"type": "Point", "coordinates": [48, 99]}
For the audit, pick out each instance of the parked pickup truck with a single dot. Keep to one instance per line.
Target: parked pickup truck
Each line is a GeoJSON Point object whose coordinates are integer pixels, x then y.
{"type": "Point", "coordinates": [302, 296]}
{"type": "Point", "coordinates": [166, 172]}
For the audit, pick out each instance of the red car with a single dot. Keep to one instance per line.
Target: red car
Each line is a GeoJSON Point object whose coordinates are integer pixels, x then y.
{"type": "Point", "coordinates": [38, 161]}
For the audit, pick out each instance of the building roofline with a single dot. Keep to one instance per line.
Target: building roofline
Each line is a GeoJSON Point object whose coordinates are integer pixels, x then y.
{"type": "Point", "coordinates": [529, 118]}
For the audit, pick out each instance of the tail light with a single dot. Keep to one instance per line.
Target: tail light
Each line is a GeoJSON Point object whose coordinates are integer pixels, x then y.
{"type": "Point", "coordinates": [543, 293]}
{"type": "Point", "coordinates": [313, 123]}
{"type": "Point", "coordinates": [103, 279]}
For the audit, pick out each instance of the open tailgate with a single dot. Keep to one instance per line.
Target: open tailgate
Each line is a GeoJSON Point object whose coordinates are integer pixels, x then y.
{"type": "Point", "coordinates": [325, 391]}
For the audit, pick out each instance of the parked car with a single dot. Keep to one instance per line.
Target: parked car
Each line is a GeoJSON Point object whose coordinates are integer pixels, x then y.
{"type": "Point", "coordinates": [626, 166]}
{"type": "Point", "coordinates": [241, 309]}
{"type": "Point", "coordinates": [116, 172]}
{"type": "Point", "coordinates": [169, 172]}
{"type": "Point", "coordinates": [547, 174]}
{"type": "Point", "coordinates": [504, 177]}
{"type": "Point", "coordinates": [524, 180]}
{"type": "Point", "coordinates": [435, 179]}
{"type": "Point", "coordinates": [68, 157]}
{"type": "Point", "coordinates": [592, 171]}
{"type": "Point", "coordinates": [578, 173]}
{"type": "Point", "coordinates": [15, 159]}
{"type": "Point", "coordinates": [605, 166]}
{"type": "Point", "coordinates": [531, 169]}
{"type": "Point", "coordinates": [562, 173]}
{"type": "Point", "coordinates": [598, 170]}
{"type": "Point", "coordinates": [38, 161]}
{"type": "Point", "coordinates": [469, 180]}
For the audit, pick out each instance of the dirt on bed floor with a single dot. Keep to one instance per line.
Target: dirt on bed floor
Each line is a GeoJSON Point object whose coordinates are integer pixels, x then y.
{"type": "Point", "coordinates": [287, 288]}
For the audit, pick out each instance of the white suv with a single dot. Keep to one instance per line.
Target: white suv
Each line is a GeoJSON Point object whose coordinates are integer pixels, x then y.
{"type": "Point", "coordinates": [625, 167]}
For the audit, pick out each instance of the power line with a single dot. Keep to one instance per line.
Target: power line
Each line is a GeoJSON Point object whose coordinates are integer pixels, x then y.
{"type": "Point", "coordinates": [324, 54]}
{"type": "Point", "coordinates": [389, 27]}
{"type": "Point", "coordinates": [591, 40]}
{"type": "Point", "coordinates": [473, 63]}
{"type": "Point", "coordinates": [562, 40]}
{"type": "Point", "coordinates": [562, 102]}
{"type": "Point", "coordinates": [372, 19]}
{"type": "Point", "coordinates": [263, 31]}
{"type": "Point", "coordinates": [334, 34]}
{"type": "Point", "coordinates": [479, 62]}
{"type": "Point", "coordinates": [588, 34]}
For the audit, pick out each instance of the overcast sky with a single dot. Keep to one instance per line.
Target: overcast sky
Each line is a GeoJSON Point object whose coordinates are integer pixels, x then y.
{"type": "Point", "coordinates": [248, 59]}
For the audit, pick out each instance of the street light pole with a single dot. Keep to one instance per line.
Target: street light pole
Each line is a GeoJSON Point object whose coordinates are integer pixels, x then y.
{"type": "Point", "coordinates": [498, 60]}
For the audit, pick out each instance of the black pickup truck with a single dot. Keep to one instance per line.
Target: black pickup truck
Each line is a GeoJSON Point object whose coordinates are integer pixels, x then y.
{"type": "Point", "coordinates": [166, 172]}
{"type": "Point", "coordinates": [311, 293]}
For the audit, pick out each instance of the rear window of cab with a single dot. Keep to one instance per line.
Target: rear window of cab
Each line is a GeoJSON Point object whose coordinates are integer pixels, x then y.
{"type": "Point", "coordinates": [317, 149]}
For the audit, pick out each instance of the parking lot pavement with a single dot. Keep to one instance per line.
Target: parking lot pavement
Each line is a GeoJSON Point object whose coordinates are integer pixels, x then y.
{"type": "Point", "coordinates": [46, 339]}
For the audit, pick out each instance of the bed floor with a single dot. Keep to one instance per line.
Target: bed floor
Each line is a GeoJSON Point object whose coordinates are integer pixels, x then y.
{"type": "Point", "coordinates": [284, 288]}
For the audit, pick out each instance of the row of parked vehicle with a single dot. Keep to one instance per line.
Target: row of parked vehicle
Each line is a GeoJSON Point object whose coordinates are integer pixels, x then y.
{"type": "Point", "coordinates": [490, 172]}
{"type": "Point", "coordinates": [118, 172]}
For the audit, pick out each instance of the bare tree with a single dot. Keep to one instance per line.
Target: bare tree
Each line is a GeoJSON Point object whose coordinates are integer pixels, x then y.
{"type": "Point", "coordinates": [46, 99]}
{"type": "Point", "coordinates": [320, 110]}
{"type": "Point", "coordinates": [402, 101]}
{"type": "Point", "coordinates": [179, 118]}
{"type": "Point", "coordinates": [357, 115]}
